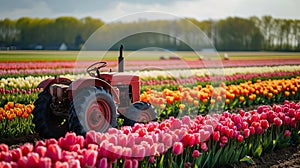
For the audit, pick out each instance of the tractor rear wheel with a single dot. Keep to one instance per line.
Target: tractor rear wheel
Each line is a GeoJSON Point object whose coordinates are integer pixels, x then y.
{"type": "Point", "coordinates": [46, 123]}
{"type": "Point", "coordinates": [141, 112]}
{"type": "Point", "coordinates": [92, 108]}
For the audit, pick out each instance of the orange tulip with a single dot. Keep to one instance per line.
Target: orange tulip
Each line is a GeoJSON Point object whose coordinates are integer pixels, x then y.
{"type": "Point", "coordinates": [181, 106]}
{"type": "Point", "coordinates": [242, 98]}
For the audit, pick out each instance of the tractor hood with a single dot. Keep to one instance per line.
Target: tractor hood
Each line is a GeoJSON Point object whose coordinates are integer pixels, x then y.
{"type": "Point", "coordinates": [120, 78]}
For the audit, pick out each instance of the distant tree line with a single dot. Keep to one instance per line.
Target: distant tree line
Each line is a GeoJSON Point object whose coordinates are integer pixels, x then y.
{"type": "Point", "coordinates": [230, 34]}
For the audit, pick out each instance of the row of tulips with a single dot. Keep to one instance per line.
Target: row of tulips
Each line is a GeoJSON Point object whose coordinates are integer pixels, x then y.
{"type": "Point", "coordinates": [205, 141]}
{"type": "Point", "coordinates": [16, 119]}
{"type": "Point", "coordinates": [201, 100]}
{"type": "Point", "coordinates": [30, 81]}
{"type": "Point", "coordinates": [187, 73]}
{"type": "Point", "coordinates": [36, 65]}
{"type": "Point", "coordinates": [173, 79]}
{"type": "Point", "coordinates": [36, 72]}
{"type": "Point", "coordinates": [23, 96]}
{"type": "Point", "coordinates": [233, 79]}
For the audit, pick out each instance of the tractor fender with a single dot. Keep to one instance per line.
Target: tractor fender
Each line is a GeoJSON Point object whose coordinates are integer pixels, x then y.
{"type": "Point", "coordinates": [89, 81]}
{"type": "Point", "coordinates": [59, 80]}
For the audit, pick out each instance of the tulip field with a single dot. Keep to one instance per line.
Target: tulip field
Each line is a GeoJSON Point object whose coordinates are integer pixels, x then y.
{"type": "Point", "coordinates": [203, 120]}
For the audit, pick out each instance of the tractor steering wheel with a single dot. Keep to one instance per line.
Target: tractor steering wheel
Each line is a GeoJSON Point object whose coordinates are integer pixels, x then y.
{"type": "Point", "coordinates": [95, 68]}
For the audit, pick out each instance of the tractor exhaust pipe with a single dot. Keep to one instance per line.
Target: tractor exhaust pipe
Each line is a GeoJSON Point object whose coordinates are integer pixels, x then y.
{"type": "Point", "coordinates": [121, 60]}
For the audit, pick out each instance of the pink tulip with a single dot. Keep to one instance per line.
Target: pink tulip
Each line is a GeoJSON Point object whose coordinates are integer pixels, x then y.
{"type": "Point", "coordinates": [128, 164]}
{"type": "Point", "coordinates": [223, 139]}
{"type": "Point", "coordinates": [177, 148]}
{"type": "Point", "coordinates": [103, 163]}
{"type": "Point", "coordinates": [204, 146]}
{"type": "Point", "coordinates": [287, 133]}
{"type": "Point", "coordinates": [90, 157]}
{"type": "Point", "coordinates": [59, 164]}
{"type": "Point", "coordinates": [196, 154]}
{"type": "Point", "coordinates": [126, 153]}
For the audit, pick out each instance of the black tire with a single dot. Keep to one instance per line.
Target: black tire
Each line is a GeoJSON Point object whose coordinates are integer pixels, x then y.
{"type": "Point", "coordinates": [141, 112]}
{"type": "Point", "coordinates": [46, 123]}
{"type": "Point", "coordinates": [92, 109]}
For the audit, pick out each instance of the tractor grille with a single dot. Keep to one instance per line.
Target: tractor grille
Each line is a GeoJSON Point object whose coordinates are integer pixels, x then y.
{"type": "Point", "coordinates": [125, 95]}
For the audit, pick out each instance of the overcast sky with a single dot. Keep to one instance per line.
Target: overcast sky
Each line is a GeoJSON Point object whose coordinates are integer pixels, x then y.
{"type": "Point", "coordinates": [111, 10]}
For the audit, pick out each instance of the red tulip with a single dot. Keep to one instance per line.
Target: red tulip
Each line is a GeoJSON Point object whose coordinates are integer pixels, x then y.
{"type": "Point", "coordinates": [41, 150]}
{"type": "Point", "coordinates": [6, 156]}
{"type": "Point", "coordinates": [54, 152]}
{"type": "Point", "coordinates": [5, 165]}
{"type": "Point", "coordinates": [33, 159]}
{"type": "Point", "coordinates": [51, 141]}
{"type": "Point", "coordinates": [216, 136]}
{"type": "Point", "coordinates": [3, 148]}
{"type": "Point", "coordinates": [90, 137]}
{"type": "Point", "coordinates": [40, 143]}
{"type": "Point", "coordinates": [246, 133]}
{"type": "Point", "coordinates": [22, 162]}
{"type": "Point", "coordinates": [297, 115]}
{"type": "Point", "coordinates": [291, 112]}
{"type": "Point", "coordinates": [45, 162]}
{"type": "Point", "coordinates": [277, 121]}
{"type": "Point", "coordinates": [287, 120]}
{"type": "Point", "coordinates": [74, 163]}
{"type": "Point", "coordinates": [264, 124]}
{"type": "Point", "coordinates": [245, 125]}
{"type": "Point", "coordinates": [75, 147]}
{"type": "Point", "coordinates": [293, 123]}
{"type": "Point", "coordinates": [252, 130]}
{"type": "Point", "coordinates": [259, 130]}
{"type": "Point", "coordinates": [26, 148]}
{"type": "Point", "coordinates": [135, 163]}
{"type": "Point", "coordinates": [240, 138]}
{"type": "Point", "coordinates": [16, 154]}
{"type": "Point", "coordinates": [128, 164]}
{"type": "Point", "coordinates": [151, 159]}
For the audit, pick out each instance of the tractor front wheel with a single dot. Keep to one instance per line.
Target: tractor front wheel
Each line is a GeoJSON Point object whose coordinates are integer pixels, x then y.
{"type": "Point", "coordinates": [92, 108]}
{"type": "Point", "coordinates": [141, 112]}
{"type": "Point", "coordinates": [47, 124]}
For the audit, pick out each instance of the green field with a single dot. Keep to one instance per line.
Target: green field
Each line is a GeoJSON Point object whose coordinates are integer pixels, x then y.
{"type": "Point", "coordinates": [7, 56]}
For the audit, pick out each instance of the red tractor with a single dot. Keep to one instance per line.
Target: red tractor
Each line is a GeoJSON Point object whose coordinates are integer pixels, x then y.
{"type": "Point", "coordinates": [90, 103]}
